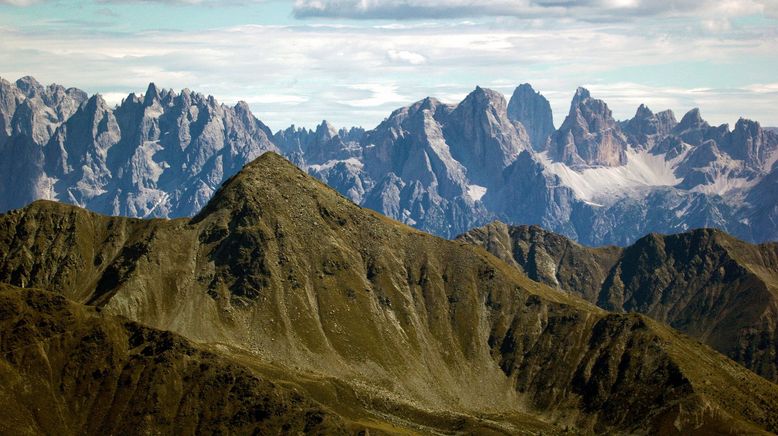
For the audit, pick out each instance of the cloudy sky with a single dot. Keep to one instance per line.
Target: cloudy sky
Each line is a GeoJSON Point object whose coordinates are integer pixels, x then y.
{"type": "Point", "coordinates": [353, 61]}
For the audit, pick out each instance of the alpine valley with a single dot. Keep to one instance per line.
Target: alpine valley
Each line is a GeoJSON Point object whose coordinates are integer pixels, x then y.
{"type": "Point", "coordinates": [440, 168]}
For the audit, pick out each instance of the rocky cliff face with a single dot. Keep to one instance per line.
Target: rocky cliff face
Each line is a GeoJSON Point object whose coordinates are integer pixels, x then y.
{"type": "Point", "coordinates": [646, 129]}
{"type": "Point", "coordinates": [533, 111]}
{"type": "Point", "coordinates": [159, 154]}
{"type": "Point", "coordinates": [704, 283]}
{"type": "Point", "coordinates": [375, 319]}
{"type": "Point", "coordinates": [589, 136]}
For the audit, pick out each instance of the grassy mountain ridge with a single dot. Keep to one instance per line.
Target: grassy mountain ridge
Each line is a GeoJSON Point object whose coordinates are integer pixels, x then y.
{"type": "Point", "coordinates": [67, 369]}
{"type": "Point", "coordinates": [288, 272]}
{"type": "Point", "coordinates": [705, 283]}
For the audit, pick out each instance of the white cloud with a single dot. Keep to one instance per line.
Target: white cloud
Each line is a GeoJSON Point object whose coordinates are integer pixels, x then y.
{"type": "Point", "coordinates": [283, 99]}
{"type": "Point", "coordinates": [586, 10]}
{"type": "Point", "coordinates": [303, 73]}
{"type": "Point", "coordinates": [406, 57]}
{"type": "Point", "coordinates": [19, 3]}
{"type": "Point", "coordinates": [379, 95]}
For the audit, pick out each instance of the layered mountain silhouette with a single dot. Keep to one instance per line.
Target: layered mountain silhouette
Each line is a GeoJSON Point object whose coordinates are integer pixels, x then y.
{"type": "Point", "coordinates": [283, 303]}
{"type": "Point", "coordinates": [442, 168]}
{"type": "Point", "coordinates": [705, 283]}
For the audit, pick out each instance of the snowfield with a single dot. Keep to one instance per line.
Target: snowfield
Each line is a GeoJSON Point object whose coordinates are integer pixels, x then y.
{"type": "Point", "coordinates": [596, 185]}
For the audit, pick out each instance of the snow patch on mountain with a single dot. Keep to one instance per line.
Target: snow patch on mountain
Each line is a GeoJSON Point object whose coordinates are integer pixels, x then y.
{"type": "Point", "coordinates": [352, 161]}
{"type": "Point", "coordinates": [475, 192]}
{"type": "Point", "coordinates": [725, 184]}
{"type": "Point", "coordinates": [643, 169]}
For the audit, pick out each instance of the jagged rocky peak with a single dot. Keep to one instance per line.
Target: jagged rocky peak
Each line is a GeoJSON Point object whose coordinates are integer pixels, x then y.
{"type": "Point", "coordinates": [692, 120]}
{"type": "Point", "coordinates": [151, 95]}
{"type": "Point", "coordinates": [33, 111]}
{"type": "Point", "coordinates": [482, 137]}
{"type": "Point", "coordinates": [647, 128]}
{"type": "Point", "coordinates": [533, 111]}
{"type": "Point", "coordinates": [481, 99]}
{"type": "Point", "coordinates": [751, 143]}
{"type": "Point", "coordinates": [326, 131]}
{"type": "Point", "coordinates": [242, 111]}
{"type": "Point", "coordinates": [589, 136]}
{"type": "Point", "coordinates": [29, 86]}
{"type": "Point", "coordinates": [581, 94]}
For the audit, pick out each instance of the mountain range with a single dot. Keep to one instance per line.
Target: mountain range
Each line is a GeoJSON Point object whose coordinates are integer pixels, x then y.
{"type": "Point", "coordinates": [705, 283]}
{"type": "Point", "coordinates": [282, 304]}
{"type": "Point", "coordinates": [442, 168]}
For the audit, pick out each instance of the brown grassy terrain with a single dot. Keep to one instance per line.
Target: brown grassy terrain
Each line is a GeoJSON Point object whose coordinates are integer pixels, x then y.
{"type": "Point", "coordinates": [386, 326]}
{"type": "Point", "coordinates": [705, 283]}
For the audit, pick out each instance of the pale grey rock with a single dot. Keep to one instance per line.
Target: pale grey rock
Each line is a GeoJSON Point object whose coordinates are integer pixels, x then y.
{"type": "Point", "coordinates": [533, 111]}
{"type": "Point", "coordinates": [589, 136]}
{"type": "Point", "coordinates": [160, 154]}
{"type": "Point", "coordinates": [482, 137]}
{"type": "Point", "coordinates": [646, 129]}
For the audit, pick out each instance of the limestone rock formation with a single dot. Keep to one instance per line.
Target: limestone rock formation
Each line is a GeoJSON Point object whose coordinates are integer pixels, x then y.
{"type": "Point", "coordinates": [533, 111]}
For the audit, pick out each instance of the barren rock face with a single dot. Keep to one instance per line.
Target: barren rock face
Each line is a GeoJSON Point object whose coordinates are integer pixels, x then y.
{"type": "Point", "coordinates": [160, 155]}
{"type": "Point", "coordinates": [589, 136]}
{"type": "Point", "coordinates": [374, 319]}
{"type": "Point", "coordinates": [647, 128]}
{"type": "Point", "coordinates": [533, 111]}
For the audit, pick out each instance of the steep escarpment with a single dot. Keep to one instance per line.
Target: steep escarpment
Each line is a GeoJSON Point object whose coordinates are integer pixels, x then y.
{"type": "Point", "coordinates": [705, 283]}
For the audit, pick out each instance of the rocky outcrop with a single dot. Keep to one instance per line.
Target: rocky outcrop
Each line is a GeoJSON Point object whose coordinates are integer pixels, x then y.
{"type": "Point", "coordinates": [318, 146]}
{"type": "Point", "coordinates": [159, 154]}
{"type": "Point", "coordinates": [533, 111]}
{"type": "Point", "coordinates": [589, 136]}
{"type": "Point", "coordinates": [647, 129]}
{"type": "Point", "coordinates": [753, 145]}
{"type": "Point", "coordinates": [482, 137]}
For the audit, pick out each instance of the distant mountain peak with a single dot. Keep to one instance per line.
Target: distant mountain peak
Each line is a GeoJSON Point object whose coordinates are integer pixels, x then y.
{"type": "Point", "coordinates": [581, 93]}
{"type": "Point", "coordinates": [485, 95]}
{"type": "Point", "coordinates": [692, 120]}
{"type": "Point", "coordinates": [533, 111]}
{"type": "Point", "coordinates": [644, 111]}
{"type": "Point", "coordinates": [28, 85]}
{"type": "Point", "coordinates": [152, 94]}
{"type": "Point", "coordinates": [589, 136]}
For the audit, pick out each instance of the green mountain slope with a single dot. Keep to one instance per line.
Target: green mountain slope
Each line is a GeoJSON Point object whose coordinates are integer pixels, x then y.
{"type": "Point", "coordinates": [705, 283]}
{"type": "Point", "coordinates": [66, 369]}
{"type": "Point", "coordinates": [378, 321]}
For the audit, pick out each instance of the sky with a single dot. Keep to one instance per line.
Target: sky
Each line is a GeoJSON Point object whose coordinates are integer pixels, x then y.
{"type": "Point", "coordinates": [354, 61]}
